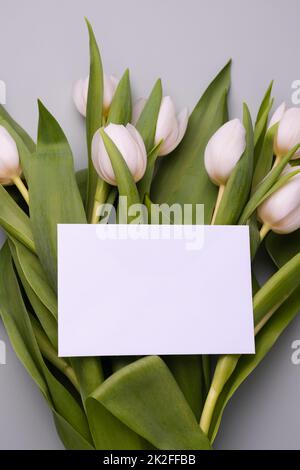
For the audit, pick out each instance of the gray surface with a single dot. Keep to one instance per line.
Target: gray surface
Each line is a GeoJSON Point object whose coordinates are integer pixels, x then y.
{"type": "Point", "coordinates": [44, 49]}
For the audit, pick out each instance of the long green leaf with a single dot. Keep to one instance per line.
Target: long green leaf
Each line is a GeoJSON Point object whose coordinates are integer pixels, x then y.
{"type": "Point", "coordinates": [53, 191]}
{"type": "Point", "coordinates": [147, 399]}
{"type": "Point", "coordinates": [239, 184]}
{"type": "Point", "coordinates": [19, 328]}
{"type": "Point", "coordinates": [261, 122]}
{"type": "Point", "coordinates": [44, 315]}
{"type": "Point", "coordinates": [14, 221]}
{"type": "Point", "coordinates": [71, 439]}
{"type": "Point", "coordinates": [109, 433]}
{"type": "Point", "coordinates": [182, 177]}
{"type": "Point", "coordinates": [189, 375]}
{"type": "Point", "coordinates": [93, 115]}
{"type": "Point", "coordinates": [265, 158]}
{"type": "Point", "coordinates": [121, 105]}
{"type": "Point", "coordinates": [144, 185]}
{"type": "Point", "coordinates": [17, 332]}
{"type": "Point", "coordinates": [31, 271]}
{"type": "Point", "coordinates": [146, 124]}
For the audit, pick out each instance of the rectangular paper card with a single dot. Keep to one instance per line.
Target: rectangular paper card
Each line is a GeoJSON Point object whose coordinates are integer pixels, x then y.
{"type": "Point", "coordinates": [154, 289]}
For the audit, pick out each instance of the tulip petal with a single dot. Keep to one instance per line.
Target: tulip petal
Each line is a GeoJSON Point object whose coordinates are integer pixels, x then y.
{"type": "Point", "coordinates": [182, 122]}
{"type": "Point", "coordinates": [288, 134]}
{"type": "Point", "coordinates": [79, 94]}
{"type": "Point", "coordinates": [276, 210]}
{"type": "Point", "coordinates": [277, 115]}
{"type": "Point", "coordinates": [9, 156]}
{"type": "Point", "coordinates": [142, 158]}
{"type": "Point", "coordinates": [290, 223]}
{"type": "Point", "coordinates": [110, 84]}
{"type": "Point", "coordinates": [223, 151]}
{"type": "Point", "coordinates": [166, 121]}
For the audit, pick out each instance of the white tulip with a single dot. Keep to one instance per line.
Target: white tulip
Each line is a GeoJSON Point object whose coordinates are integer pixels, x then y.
{"type": "Point", "coordinates": [170, 127]}
{"type": "Point", "coordinates": [131, 146]}
{"type": "Point", "coordinates": [223, 151]}
{"type": "Point", "coordinates": [281, 211]}
{"type": "Point", "coordinates": [80, 93]}
{"type": "Point", "coordinates": [288, 133]}
{"type": "Point", "coordinates": [10, 167]}
{"type": "Point", "coordinates": [277, 115]}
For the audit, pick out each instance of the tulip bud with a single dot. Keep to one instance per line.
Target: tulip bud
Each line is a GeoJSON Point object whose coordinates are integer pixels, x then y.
{"type": "Point", "coordinates": [281, 211]}
{"type": "Point", "coordinates": [288, 133]}
{"type": "Point", "coordinates": [170, 128]}
{"type": "Point", "coordinates": [277, 115]}
{"type": "Point", "coordinates": [80, 93]}
{"type": "Point", "coordinates": [223, 151]}
{"type": "Point", "coordinates": [9, 158]}
{"type": "Point", "coordinates": [130, 144]}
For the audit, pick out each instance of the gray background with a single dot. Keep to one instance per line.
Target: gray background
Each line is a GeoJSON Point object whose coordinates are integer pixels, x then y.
{"type": "Point", "coordinates": [44, 48]}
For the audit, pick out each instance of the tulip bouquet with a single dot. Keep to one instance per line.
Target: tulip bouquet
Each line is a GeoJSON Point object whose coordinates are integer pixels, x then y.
{"type": "Point", "coordinates": [243, 173]}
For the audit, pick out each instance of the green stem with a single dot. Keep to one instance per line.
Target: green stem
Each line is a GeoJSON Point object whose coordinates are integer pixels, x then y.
{"type": "Point", "coordinates": [224, 369]}
{"type": "Point", "coordinates": [276, 162]}
{"type": "Point", "coordinates": [50, 354]}
{"type": "Point", "coordinates": [101, 194]}
{"type": "Point", "coordinates": [264, 231]}
{"type": "Point", "coordinates": [218, 202]}
{"type": "Point", "coordinates": [265, 302]}
{"type": "Point", "coordinates": [21, 187]}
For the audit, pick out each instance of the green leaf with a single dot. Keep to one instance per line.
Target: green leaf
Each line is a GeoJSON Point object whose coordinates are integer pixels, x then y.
{"type": "Point", "coordinates": [265, 186]}
{"type": "Point", "coordinates": [188, 373]}
{"type": "Point", "coordinates": [108, 432]}
{"type": "Point", "coordinates": [276, 289]}
{"type": "Point", "coordinates": [144, 185]}
{"type": "Point", "coordinates": [71, 439]}
{"type": "Point", "coordinates": [93, 115]}
{"type": "Point", "coordinates": [147, 399]}
{"type": "Point", "coordinates": [19, 329]}
{"type": "Point", "coordinates": [265, 159]}
{"type": "Point", "coordinates": [46, 318]}
{"type": "Point", "coordinates": [264, 104]}
{"type": "Point", "coordinates": [146, 124]}
{"type": "Point", "coordinates": [265, 340]}
{"type": "Point", "coordinates": [81, 178]}
{"type": "Point", "coordinates": [181, 177]}
{"type": "Point", "coordinates": [14, 221]}
{"type": "Point", "coordinates": [262, 122]}
{"type": "Point", "coordinates": [31, 271]}
{"type": "Point", "coordinates": [121, 105]}
{"type": "Point", "coordinates": [15, 324]}
{"type": "Point", "coordinates": [53, 191]}
{"type": "Point", "coordinates": [254, 235]}
{"type": "Point", "coordinates": [239, 184]}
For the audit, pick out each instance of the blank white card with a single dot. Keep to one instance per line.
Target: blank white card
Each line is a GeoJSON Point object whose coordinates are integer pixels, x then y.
{"type": "Point", "coordinates": [145, 289]}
